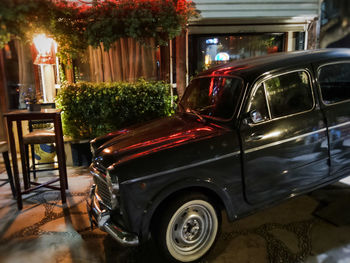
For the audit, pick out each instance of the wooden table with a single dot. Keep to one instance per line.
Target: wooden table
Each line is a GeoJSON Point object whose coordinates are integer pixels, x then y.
{"type": "Point", "coordinates": [44, 114]}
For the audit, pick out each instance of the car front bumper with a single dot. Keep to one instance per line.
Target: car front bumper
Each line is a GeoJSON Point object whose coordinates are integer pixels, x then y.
{"type": "Point", "coordinates": [102, 219]}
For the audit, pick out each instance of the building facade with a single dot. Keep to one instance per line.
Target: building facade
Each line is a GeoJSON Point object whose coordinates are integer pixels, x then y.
{"type": "Point", "coordinates": [228, 30]}
{"type": "Point", "coordinates": [224, 30]}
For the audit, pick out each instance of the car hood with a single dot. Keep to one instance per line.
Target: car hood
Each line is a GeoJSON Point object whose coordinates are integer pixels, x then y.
{"type": "Point", "coordinates": [142, 140]}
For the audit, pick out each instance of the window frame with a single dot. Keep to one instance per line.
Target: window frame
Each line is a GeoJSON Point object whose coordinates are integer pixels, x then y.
{"type": "Point", "coordinates": [319, 84]}
{"type": "Point", "coordinates": [261, 80]}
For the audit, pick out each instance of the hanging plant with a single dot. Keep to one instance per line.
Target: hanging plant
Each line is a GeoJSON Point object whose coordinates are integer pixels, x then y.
{"type": "Point", "coordinates": [138, 19]}
{"type": "Point", "coordinates": [63, 22]}
{"type": "Point", "coordinates": [74, 26]}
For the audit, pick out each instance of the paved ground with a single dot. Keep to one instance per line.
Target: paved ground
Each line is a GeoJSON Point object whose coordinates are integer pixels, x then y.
{"type": "Point", "coordinates": [311, 228]}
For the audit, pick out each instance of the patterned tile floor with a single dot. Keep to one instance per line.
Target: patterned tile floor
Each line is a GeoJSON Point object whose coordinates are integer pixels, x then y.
{"type": "Point", "coordinates": [312, 228]}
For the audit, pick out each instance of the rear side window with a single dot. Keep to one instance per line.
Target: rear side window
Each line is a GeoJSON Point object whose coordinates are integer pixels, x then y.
{"type": "Point", "coordinates": [334, 82]}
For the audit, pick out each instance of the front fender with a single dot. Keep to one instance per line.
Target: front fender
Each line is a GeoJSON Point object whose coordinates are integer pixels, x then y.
{"type": "Point", "coordinates": [221, 176]}
{"type": "Point", "coordinates": [192, 184]}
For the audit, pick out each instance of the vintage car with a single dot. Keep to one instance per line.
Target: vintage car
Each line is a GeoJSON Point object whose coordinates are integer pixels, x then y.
{"type": "Point", "coordinates": [246, 134]}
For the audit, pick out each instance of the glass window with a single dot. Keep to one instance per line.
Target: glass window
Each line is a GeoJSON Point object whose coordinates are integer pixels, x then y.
{"type": "Point", "coordinates": [258, 103]}
{"type": "Point", "coordinates": [299, 38]}
{"type": "Point", "coordinates": [210, 50]}
{"type": "Point", "coordinates": [288, 94]}
{"type": "Point", "coordinates": [19, 73]}
{"type": "Point", "coordinates": [214, 97]}
{"type": "Point", "coordinates": [335, 82]}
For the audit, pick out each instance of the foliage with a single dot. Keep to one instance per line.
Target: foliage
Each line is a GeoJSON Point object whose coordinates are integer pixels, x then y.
{"type": "Point", "coordinates": [63, 21]}
{"type": "Point", "coordinates": [94, 109]}
{"type": "Point", "coordinates": [139, 19]}
{"type": "Point", "coordinates": [75, 26]}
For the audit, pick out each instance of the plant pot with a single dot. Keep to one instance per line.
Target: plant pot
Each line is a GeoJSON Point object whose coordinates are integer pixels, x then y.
{"type": "Point", "coordinates": [81, 153]}
{"type": "Point", "coordinates": [33, 107]}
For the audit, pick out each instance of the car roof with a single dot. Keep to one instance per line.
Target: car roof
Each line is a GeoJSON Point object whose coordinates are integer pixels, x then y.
{"type": "Point", "coordinates": [249, 69]}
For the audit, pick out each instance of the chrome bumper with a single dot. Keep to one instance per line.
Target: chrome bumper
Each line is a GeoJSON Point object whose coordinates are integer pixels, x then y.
{"type": "Point", "coordinates": [101, 218]}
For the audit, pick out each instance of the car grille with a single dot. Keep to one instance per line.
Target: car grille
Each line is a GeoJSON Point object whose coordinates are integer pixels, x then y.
{"type": "Point", "coordinates": [103, 191]}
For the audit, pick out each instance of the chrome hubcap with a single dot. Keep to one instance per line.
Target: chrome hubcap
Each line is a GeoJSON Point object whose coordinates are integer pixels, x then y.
{"type": "Point", "coordinates": [192, 230]}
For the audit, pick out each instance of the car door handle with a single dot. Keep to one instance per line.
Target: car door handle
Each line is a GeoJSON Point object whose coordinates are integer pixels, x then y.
{"type": "Point", "coordinates": [256, 137]}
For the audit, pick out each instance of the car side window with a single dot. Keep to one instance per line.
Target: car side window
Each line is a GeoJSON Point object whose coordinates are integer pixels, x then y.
{"type": "Point", "coordinates": [289, 94]}
{"type": "Point", "coordinates": [334, 82]}
{"type": "Point", "coordinates": [258, 103]}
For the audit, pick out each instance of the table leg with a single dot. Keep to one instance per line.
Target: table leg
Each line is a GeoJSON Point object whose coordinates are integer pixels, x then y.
{"type": "Point", "coordinates": [61, 157]}
{"type": "Point", "coordinates": [23, 156]}
{"type": "Point", "coordinates": [5, 155]}
{"type": "Point", "coordinates": [14, 164]}
{"type": "Point", "coordinates": [61, 142]}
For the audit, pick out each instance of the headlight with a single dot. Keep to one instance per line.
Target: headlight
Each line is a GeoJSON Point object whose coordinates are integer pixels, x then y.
{"type": "Point", "coordinates": [92, 149]}
{"type": "Point", "coordinates": [113, 188]}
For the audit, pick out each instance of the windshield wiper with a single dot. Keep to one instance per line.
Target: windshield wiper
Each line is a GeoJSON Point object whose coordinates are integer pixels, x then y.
{"type": "Point", "coordinates": [197, 114]}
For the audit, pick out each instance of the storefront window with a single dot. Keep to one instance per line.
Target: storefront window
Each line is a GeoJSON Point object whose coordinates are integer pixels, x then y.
{"type": "Point", "coordinates": [19, 73]}
{"type": "Point", "coordinates": [30, 75]}
{"type": "Point", "coordinates": [299, 40]}
{"type": "Point", "coordinates": [207, 51]}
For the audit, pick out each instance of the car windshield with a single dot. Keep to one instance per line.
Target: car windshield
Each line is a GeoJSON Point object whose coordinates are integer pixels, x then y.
{"type": "Point", "coordinates": [213, 97]}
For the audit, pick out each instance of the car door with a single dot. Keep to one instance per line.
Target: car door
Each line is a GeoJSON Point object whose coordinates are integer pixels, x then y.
{"type": "Point", "coordinates": [334, 83]}
{"type": "Point", "coordinates": [284, 142]}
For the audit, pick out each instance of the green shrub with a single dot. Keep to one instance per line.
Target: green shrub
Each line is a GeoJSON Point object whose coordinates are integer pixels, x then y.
{"type": "Point", "coordinates": [94, 109]}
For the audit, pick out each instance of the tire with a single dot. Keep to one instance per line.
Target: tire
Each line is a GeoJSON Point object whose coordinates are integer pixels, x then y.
{"type": "Point", "coordinates": [188, 227]}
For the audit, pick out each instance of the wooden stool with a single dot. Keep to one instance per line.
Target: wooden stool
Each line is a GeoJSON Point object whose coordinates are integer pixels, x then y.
{"type": "Point", "coordinates": [5, 155]}
{"type": "Point", "coordinates": [39, 136]}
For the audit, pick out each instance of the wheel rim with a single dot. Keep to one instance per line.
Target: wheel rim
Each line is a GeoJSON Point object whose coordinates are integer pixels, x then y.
{"type": "Point", "coordinates": [192, 230]}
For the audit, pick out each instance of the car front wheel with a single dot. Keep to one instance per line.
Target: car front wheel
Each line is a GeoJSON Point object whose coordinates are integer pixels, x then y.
{"type": "Point", "coordinates": [188, 228]}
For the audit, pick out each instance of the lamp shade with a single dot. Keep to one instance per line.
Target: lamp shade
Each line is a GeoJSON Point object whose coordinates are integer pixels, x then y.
{"type": "Point", "coordinates": [45, 47]}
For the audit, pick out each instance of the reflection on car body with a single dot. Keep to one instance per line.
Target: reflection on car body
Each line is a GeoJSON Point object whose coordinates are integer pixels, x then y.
{"type": "Point", "coordinates": [246, 134]}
